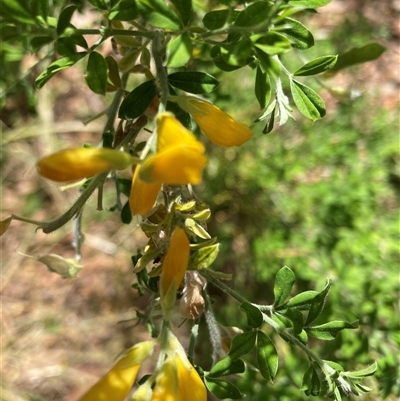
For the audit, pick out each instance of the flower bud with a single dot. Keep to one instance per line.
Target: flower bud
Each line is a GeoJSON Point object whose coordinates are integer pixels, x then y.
{"type": "Point", "coordinates": [75, 164]}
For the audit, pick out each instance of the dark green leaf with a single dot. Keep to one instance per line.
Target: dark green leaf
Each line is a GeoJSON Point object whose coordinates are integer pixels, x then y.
{"type": "Point", "coordinates": [317, 304]}
{"type": "Point", "coordinates": [254, 315]}
{"type": "Point", "coordinates": [113, 71]}
{"type": "Point", "coordinates": [40, 41]}
{"type": "Point", "coordinates": [225, 367]}
{"type": "Point", "coordinates": [239, 53]}
{"type": "Point", "coordinates": [41, 8]}
{"type": "Point", "coordinates": [320, 64]}
{"type": "Point", "coordinates": [296, 318]}
{"type": "Point", "coordinates": [65, 47]}
{"type": "Point", "coordinates": [242, 344]}
{"type": "Point", "coordinates": [193, 82]}
{"type": "Point", "coordinates": [184, 9]}
{"type": "Point", "coordinates": [309, 3]}
{"type": "Point", "coordinates": [267, 357]}
{"type": "Point", "coordinates": [17, 11]}
{"type": "Point", "coordinates": [270, 123]}
{"type": "Point", "coordinates": [217, 19]}
{"type": "Point", "coordinates": [307, 101]}
{"type": "Point", "coordinates": [136, 103]}
{"type": "Point", "coordinates": [282, 321]}
{"type": "Point", "coordinates": [328, 331]}
{"type": "Point", "coordinates": [223, 389]}
{"type": "Point", "coordinates": [97, 73]}
{"type": "Point", "coordinates": [255, 14]}
{"type": "Point", "coordinates": [284, 281]}
{"type": "Point", "coordinates": [262, 87]}
{"type": "Point", "coordinates": [125, 186]}
{"type": "Point", "coordinates": [158, 14]}
{"type": "Point", "coordinates": [57, 66]}
{"type": "Point", "coordinates": [311, 382]}
{"type": "Point", "coordinates": [301, 301]}
{"type": "Point", "coordinates": [273, 43]}
{"type": "Point", "coordinates": [302, 337]}
{"type": "Point", "coordinates": [125, 10]}
{"type": "Point", "coordinates": [369, 52]}
{"type": "Point", "coordinates": [65, 18]}
{"type": "Point", "coordinates": [100, 4]}
{"type": "Point", "coordinates": [179, 51]}
{"type": "Point", "coordinates": [298, 34]}
{"type": "Point", "coordinates": [268, 64]}
{"type": "Point", "coordinates": [126, 215]}
{"type": "Point", "coordinates": [179, 113]}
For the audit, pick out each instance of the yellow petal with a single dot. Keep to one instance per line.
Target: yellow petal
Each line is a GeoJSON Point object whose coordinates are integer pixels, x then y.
{"type": "Point", "coordinates": [171, 133]}
{"type": "Point", "coordinates": [217, 125]}
{"type": "Point", "coordinates": [179, 165]}
{"type": "Point", "coordinates": [75, 164]}
{"type": "Point", "coordinates": [167, 385]}
{"type": "Point", "coordinates": [143, 195]}
{"type": "Point", "coordinates": [173, 269]}
{"type": "Point", "coordinates": [191, 387]}
{"type": "Point", "coordinates": [117, 382]}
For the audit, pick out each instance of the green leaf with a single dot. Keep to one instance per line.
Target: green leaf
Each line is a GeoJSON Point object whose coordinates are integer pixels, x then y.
{"type": "Point", "coordinates": [158, 14]}
{"type": "Point", "coordinates": [203, 257]}
{"type": "Point", "coordinates": [255, 14]}
{"type": "Point", "coordinates": [309, 3]}
{"type": "Point", "coordinates": [65, 47]}
{"type": "Point", "coordinates": [307, 101]}
{"type": "Point", "coordinates": [179, 51]}
{"type": "Point", "coordinates": [39, 41]}
{"type": "Point", "coordinates": [301, 301]}
{"type": "Point", "coordinates": [242, 344]}
{"type": "Point", "coordinates": [97, 73]}
{"type": "Point", "coordinates": [184, 9]}
{"type": "Point", "coordinates": [284, 281]}
{"type": "Point", "coordinates": [317, 66]}
{"type": "Point", "coordinates": [262, 87]}
{"type": "Point", "coordinates": [272, 43]}
{"type": "Point", "coordinates": [267, 357]}
{"type": "Point", "coordinates": [125, 10]}
{"type": "Point", "coordinates": [124, 185]}
{"type": "Point", "coordinates": [270, 123]}
{"type": "Point", "coordinates": [357, 55]}
{"type": "Point", "coordinates": [296, 318]}
{"type": "Point", "coordinates": [57, 66]}
{"type": "Point", "coordinates": [328, 331]}
{"type": "Point", "coordinates": [113, 71]}
{"type": "Point", "coordinates": [254, 315]}
{"type": "Point", "coordinates": [136, 103]}
{"type": "Point", "coordinates": [298, 34]}
{"type": "Point", "coordinates": [17, 10]}
{"type": "Point", "coordinates": [64, 19]}
{"type": "Point", "coordinates": [239, 53]}
{"type": "Point", "coordinates": [217, 19]}
{"type": "Point", "coordinates": [223, 389]}
{"type": "Point", "coordinates": [311, 382]}
{"type": "Point", "coordinates": [179, 113]}
{"type": "Point", "coordinates": [358, 374]}
{"type": "Point", "coordinates": [126, 215]}
{"type": "Point", "coordinates": [193, 82]}
{"type": "Point", "coordinates": [267, 63]}
{"type": "Point", "coordinates": [225, 367]}
{"type": "Point", "coordinates": [100, 4]}
{"type": "Point", "coordinates": [219, 61]}
{"type": "Point", "coordinates": [317, 304]}
{"type": "Point", "coordinates": [41, 8]}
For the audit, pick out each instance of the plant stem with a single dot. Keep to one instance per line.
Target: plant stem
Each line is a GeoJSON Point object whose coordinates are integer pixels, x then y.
{"type": "Point", "coordinates": [161, 74]}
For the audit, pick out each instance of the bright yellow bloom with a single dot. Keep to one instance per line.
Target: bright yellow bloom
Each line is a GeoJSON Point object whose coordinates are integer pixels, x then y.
{"type": "Point", "coordinates": [173, 269]}
{"type": "Point", "coordinates": [179, 381]}
{"type": "Point", "coordinates": [218, 126]}
{"type": "Point", "coordinates": [117, 382]}
{"type": "Point", "coordinates": [143, 195]}
{"type": "Point", "coordinates": [75, 164]}
{"type": "Point", "coordinates": [180, 156]}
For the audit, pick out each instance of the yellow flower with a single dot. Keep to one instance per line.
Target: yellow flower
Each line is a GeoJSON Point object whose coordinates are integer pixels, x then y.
{"type": "Point", "coordinates": [178, 380]}
{"type": "Point", "coordinates": [117, 382]}
{"type": "Point", "coordinates": [173, 269]}
{"type": "Point", "coordinates": [218, 126]}
{"type": "Point", "coordinates": [75, 164]}
{"type": "Point", "coordinates": [143, 195]}
{"type": "Point", "coordinates": [180, 156]}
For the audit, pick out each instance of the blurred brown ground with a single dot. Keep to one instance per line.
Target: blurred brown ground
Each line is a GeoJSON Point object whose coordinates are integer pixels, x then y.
{"type": "Point", "coordinates": [58, 336]}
